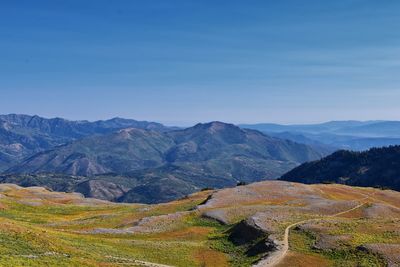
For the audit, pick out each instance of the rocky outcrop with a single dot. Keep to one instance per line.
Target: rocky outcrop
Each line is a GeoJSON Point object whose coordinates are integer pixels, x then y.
{"type": "Point", "coordinates": [389, 252]}
{"type": "Point", "coordinates": [256, 241]}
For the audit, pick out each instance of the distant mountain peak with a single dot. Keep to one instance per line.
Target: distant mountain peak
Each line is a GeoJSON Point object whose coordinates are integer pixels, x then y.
{"type": "Point", "coordinates": [216, 126]}
{"type": "Point", "coordinates": [35, 134]}
{"type": "Point", "coordinates": [132, 132]}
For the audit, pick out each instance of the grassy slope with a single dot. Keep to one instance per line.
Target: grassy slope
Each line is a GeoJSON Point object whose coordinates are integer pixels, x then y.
{"type": "Point", "coordinates": [51, 234]}
{"type": "Point", "coordinates": [39, 228]}
{"type": "Point", "coordinates": [360, 229]}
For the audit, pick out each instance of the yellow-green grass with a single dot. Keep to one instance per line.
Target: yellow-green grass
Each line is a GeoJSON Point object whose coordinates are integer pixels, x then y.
{"type": "Point", "coordinates": [40, 228]}
{"type": "Point", "coordinates": [301, 243]}
{"type": "Point", "coordinates": [54, 234]}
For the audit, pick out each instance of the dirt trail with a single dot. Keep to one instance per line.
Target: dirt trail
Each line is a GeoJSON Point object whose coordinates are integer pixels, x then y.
{"type": "Point", "coordinates": [277, 256]}
{"type": "Point", "coordinates": [126, 261]}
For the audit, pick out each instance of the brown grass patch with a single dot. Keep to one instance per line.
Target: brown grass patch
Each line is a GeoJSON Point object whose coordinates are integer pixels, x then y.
{"type": "Point", "coordinates": [354, 214]}
{"type": "Point", "coordinates": [192, 234]}
{"type": "Point", "coordinates": [388, 196]}
{"type": "Point", "coordinates": [295, 259]}
{"type": "Point", "coordinates": [211, 258]}
{"type": "Point", "coordinates": [341, 192]}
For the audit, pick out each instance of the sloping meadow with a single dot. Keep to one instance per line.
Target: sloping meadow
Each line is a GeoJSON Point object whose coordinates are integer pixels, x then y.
{"type": "Point", "coordinates": [240, 226]}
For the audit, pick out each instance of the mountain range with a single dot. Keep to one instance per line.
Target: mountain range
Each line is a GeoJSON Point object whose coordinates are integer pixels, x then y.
{"type": "Point", "coordinates": [152, 166]}
{"type": "Point", "coordinates": [138, 161]}
{"type": "Point", "coordinates": [135, 149]}
{"type": "Point", "coordinates": [22, 136]}
{"type": "Point", "coordinates": [377, 167]}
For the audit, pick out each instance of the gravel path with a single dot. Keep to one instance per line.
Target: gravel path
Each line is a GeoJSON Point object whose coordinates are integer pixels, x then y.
{"type": "Point", "coordinates": [277, 256]}
{"type": "Point", "coordinates": [125, 261]}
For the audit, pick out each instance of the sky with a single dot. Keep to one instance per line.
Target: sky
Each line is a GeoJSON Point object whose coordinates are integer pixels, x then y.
{"type": "Point", "coordinates": [180, 61]}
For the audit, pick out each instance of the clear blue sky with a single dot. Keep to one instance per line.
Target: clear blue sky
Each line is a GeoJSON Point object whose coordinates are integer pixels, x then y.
{"type": "Point", "coordinates": [181, 62]}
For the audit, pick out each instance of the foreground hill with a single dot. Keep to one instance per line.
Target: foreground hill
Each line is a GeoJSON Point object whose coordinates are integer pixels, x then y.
{"type": "Point", "coordinates": [271, 223]}
{"type": "Point", "coordinates": [154, 166]}
{"type": "Point", "coordinates": [22, 136]}
{"type": "Point", "coordinates": [377, 167]}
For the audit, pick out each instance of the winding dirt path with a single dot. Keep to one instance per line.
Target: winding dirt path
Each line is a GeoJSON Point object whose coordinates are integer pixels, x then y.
{"type": "Point", "coordinates": [277, 256]}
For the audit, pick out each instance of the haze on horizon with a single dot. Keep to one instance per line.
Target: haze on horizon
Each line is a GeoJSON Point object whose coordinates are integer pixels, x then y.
{"type": "Point", "coordinates": [181, 62]}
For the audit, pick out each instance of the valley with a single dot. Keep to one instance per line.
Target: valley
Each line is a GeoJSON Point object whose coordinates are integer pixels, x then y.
{"type": "Point", "coordinates": [336, 135]}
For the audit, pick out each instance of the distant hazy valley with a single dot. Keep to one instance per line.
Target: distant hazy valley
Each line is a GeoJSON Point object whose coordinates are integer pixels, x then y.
{"type": "Point", "coordinates": [334, 135]}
